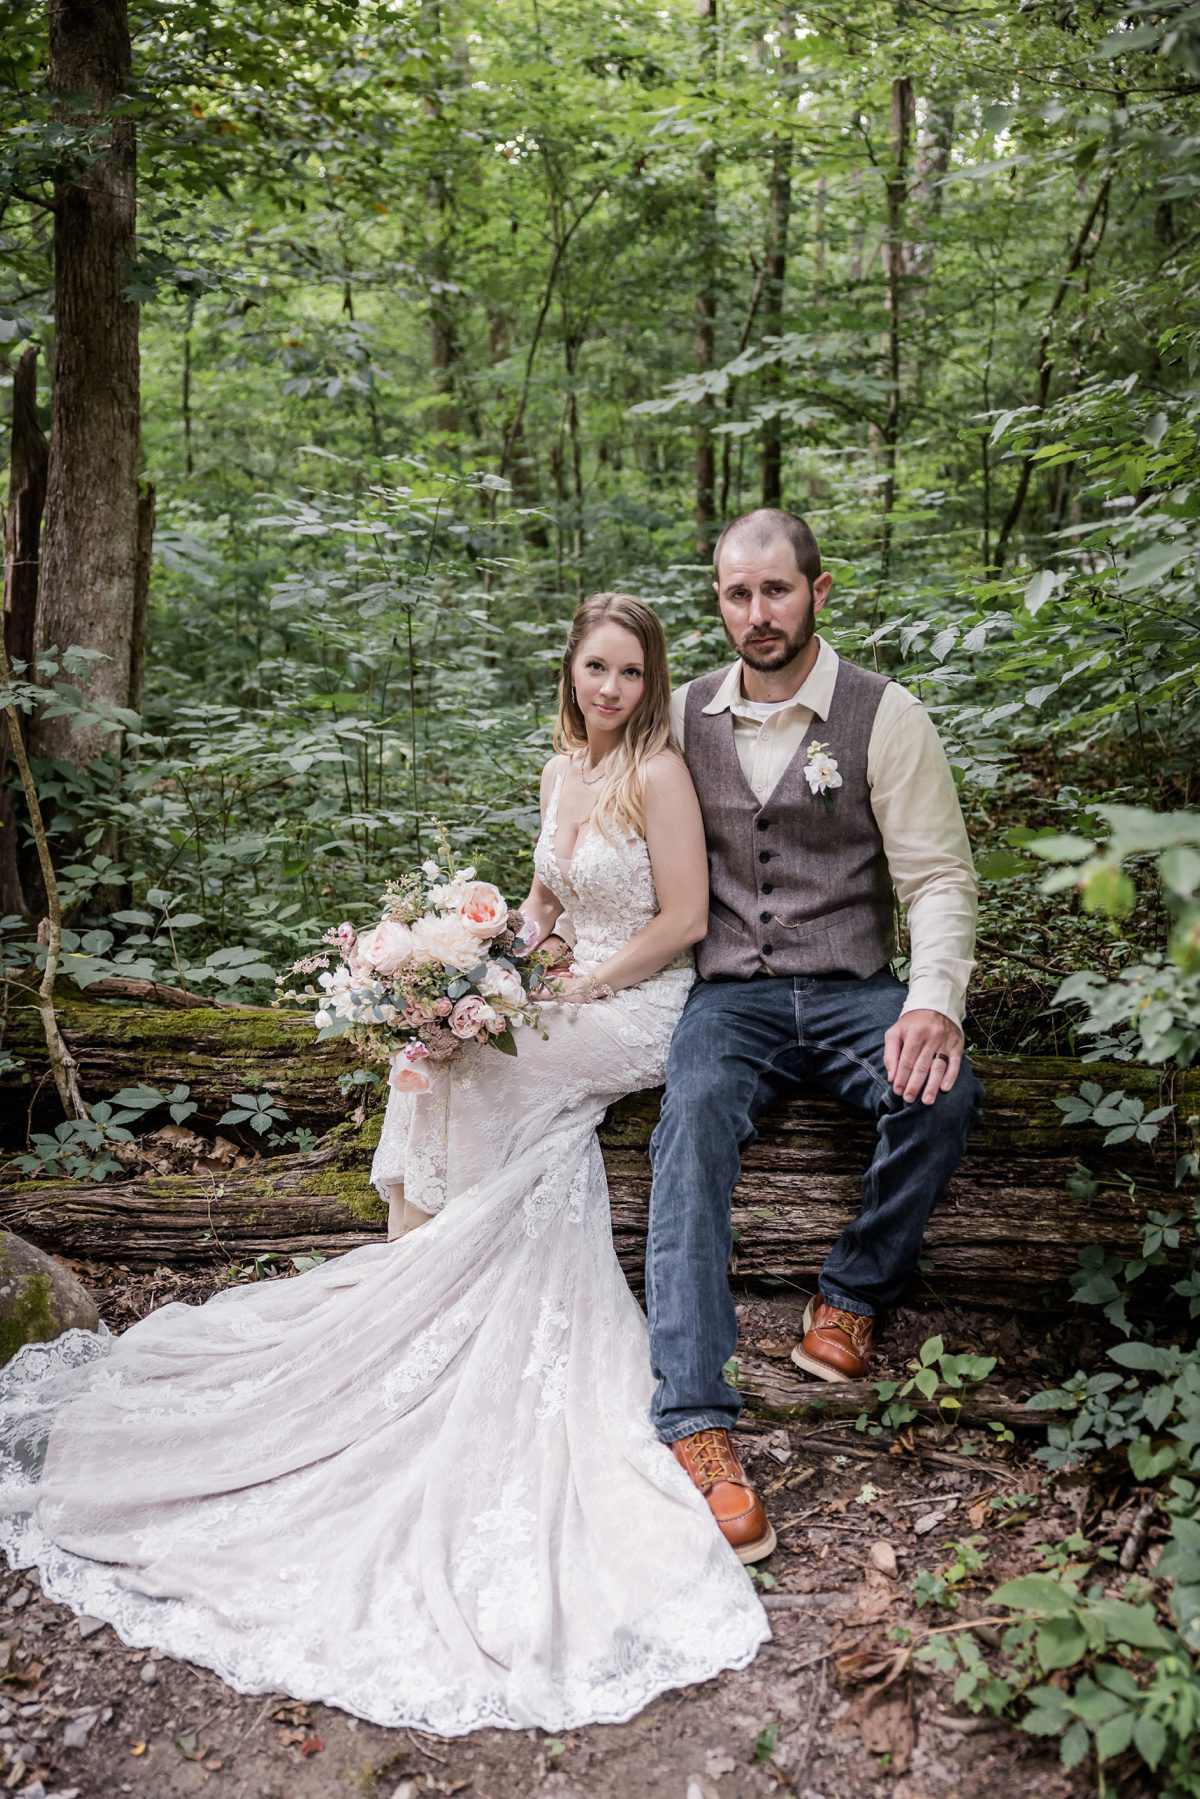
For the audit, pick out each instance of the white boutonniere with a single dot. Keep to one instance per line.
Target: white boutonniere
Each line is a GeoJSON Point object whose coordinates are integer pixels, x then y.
{"type": "Point", "coordinates": [821, 773]}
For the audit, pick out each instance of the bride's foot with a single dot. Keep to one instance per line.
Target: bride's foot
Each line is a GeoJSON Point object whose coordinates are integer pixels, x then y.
{"type": "Point", "coordinates": [403, 1216]}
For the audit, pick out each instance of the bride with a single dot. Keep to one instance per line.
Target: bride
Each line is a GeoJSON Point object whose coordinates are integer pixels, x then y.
{"type": "Point", "coordinates": [420, 1482]}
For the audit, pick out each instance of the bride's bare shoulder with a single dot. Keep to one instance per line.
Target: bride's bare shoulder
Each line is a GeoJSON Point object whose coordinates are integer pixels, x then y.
{"type": "Point", "coordinates": [666, 774]}
{"type": "Point", "coordinates": [551, 772]}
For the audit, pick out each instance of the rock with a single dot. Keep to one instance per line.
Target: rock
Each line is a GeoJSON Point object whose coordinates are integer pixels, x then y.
{"type": "Point", "coordinates": [883, 1557]}
{"type": "Point", "coordinates": [39, 1300]}
{"type": "Point", "coordinates": [149, 1673]}
{"type": "Point", "coordinates": [88, 1626]}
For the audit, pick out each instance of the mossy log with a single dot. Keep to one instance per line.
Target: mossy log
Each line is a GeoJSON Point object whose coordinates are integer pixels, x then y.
{"type": "Point", "coordinates": [1009, 1227]}
{"type": "Point", "coordinates": [214, 1052]}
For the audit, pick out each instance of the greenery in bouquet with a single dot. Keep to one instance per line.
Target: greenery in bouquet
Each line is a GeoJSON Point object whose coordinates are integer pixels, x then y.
{"type": "Point", "coordinates": [446, 965]}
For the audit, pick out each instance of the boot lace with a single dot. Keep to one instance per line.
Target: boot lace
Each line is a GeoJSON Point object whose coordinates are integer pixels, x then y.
{"type": "Point", "coordinates": [711, 1457]}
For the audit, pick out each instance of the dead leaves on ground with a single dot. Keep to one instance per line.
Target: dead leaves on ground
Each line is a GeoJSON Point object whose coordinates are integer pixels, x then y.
{"type": "Point", "coordinates": [881, 1702]}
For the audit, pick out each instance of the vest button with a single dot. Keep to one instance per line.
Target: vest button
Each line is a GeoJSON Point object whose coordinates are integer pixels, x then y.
{"type": "Point", "coordinates": [764, 855]}
{"type": "Point", "coordinates": [764, 917]}
{"type": "Point", "coordinates": [768, 887]}
{"type": "Point", "coordinates": [768, 949]}
{"type": "Point", "coordinates": [762, 824]}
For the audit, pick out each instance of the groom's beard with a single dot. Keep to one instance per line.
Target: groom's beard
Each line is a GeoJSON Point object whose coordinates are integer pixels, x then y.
{"type": "Point", "coordinates": [768, 654]}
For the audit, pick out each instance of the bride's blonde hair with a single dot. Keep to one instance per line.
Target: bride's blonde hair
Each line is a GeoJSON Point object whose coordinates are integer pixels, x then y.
{"type": "Point", "coordinates": [620, 807]}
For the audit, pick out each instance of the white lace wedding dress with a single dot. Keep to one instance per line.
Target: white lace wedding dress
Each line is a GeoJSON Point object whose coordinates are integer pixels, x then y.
{"type": "Point", "coordinates": [418, 1482]}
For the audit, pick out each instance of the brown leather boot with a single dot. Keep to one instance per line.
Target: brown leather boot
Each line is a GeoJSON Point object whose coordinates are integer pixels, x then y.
{"type": "Point", "coordinates": [836, 1345]}
{"type": "Point", "coordinates": [711, 1462]}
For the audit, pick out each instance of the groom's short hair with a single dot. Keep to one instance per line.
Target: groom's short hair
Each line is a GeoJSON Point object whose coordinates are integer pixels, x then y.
{"type": "Point", "coordinates": [766, 522]}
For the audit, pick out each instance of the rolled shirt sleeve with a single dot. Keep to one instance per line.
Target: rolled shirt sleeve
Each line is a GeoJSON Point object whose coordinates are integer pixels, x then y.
{"type": "Point", "coordinates": [916, 807]}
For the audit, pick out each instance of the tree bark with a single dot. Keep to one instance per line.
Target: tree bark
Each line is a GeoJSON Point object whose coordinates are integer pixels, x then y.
{"type": "Point", "coordinates": [147, 500]}
{"type": "Point", "coordinates": [779, 212]}
{"type": "Point", "coordinates": [22, 544]}
{"type": "Point", "coordinates": [1009, 1227]}
{"type": "Point", "coordinates": [706, 296]}
{"type": "Point", "coordinates": [442, 338]}
{"type": "Point", "coordinates": [1079, 249]}
{"type": "Point", "coordinates": [893, 263]}
{"type": "Point", "coordinates": [89, 567]}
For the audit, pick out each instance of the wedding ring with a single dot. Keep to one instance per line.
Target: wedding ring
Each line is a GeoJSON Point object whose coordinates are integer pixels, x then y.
{"type": "Point", "coordinates": [940, 1056]}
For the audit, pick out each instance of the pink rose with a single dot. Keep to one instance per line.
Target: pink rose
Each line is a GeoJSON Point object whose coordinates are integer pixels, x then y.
{"type": "Point", "coordinates": [386, 947]}
{"type": "Point", "coordinates": [471, 1017]}
{"type": "Point", "coordinates": [483, 910]}
{"type": "Point", "coordinates": [444, 1008]}
{"type": "Point", "coordinates": [406, 1074]}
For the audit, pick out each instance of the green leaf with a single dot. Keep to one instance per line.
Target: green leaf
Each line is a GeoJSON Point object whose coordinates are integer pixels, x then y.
{"type": "Point", "coordinates": [1074, 1745]}
{"type": "Point", "coordinates": [926, 1381]}
{"type": "Point", "coordinates": [1125, 1623]}
{"type": "Point", "coordinates": [931, 1349]}
{"type": "Point", "coordinates": [1109, 889]}
{"type": "Point", "coordinates": [1152, 564]}
{"type": "Point", "coordinates": [1150, 1739]}
{"type": "Point", "coordinates": [1036, 1593]}
{"type": "Point", "coordinates": [1063, 846]}
{"type": "Point", "coordinates": [1040, 589]}
{"type": "Point", "coordinates": [1061, 1642]}
{"type": "Point", "coordinates": [1114, 1735]}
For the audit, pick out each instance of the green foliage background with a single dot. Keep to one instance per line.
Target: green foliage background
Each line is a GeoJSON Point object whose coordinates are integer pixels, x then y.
{"type": "Point", "coordinates": [419, 289]}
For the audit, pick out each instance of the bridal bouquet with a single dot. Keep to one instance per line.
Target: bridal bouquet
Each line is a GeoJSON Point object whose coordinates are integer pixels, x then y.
{"type": "Point", "coordinates": [444, 966]}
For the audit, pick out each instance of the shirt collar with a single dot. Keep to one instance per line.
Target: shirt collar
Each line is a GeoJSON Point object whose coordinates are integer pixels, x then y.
{"type": "Point", "coordinates": [814, 694]}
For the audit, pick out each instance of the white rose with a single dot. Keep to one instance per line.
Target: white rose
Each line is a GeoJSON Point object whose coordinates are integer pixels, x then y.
{"type": "Point", "coordinates": [502, 984]}
{"type": "Point", "coordinates": [443, 939]}
{"type": "Point", "coordinates": [821, 773]}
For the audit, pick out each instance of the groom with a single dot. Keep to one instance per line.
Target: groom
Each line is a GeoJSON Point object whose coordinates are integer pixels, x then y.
{"type": "Point", "coordinates": [826, 796]}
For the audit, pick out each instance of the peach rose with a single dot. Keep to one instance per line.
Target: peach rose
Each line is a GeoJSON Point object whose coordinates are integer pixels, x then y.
{"type": "Point", "coordinates": [471, 1017]}
{"type": "Point", "coordinates": [483, 910]}
{"type": "Point", "coordinates": [406, 1074]}
{"type": "Point", "coordinates": [386, 947]}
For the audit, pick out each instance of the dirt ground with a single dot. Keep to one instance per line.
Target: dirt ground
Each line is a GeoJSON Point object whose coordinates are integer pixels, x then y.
{"type": "Point", "coordinates": [831, 1708]}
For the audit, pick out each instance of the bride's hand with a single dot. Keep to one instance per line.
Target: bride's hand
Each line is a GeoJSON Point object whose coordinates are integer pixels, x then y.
{"type": "Point", "coordinates": [573, 989]}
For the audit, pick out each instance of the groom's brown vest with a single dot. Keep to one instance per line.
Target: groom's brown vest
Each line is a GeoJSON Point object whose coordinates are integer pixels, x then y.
{"type": "Point", "coordinates": [798, 885]}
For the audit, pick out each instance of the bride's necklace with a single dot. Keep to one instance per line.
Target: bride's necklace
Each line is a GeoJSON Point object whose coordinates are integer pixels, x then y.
{"type": "Point", "coordinates": [601, 770]}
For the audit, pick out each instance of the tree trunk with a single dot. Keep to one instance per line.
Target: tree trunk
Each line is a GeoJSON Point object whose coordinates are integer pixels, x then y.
{"type": "Point", "coordinates": [22, 527]}
{"type": "Point", "coordinates": [706, 295]}
{"type": "Point", "coordinates": [442, 339]}
{"type": "Point", "coordinates": [893, 263]}
{"type": "Point", "coordinates": [779, 212]}
{"type": "Point", "coordinates": [89, 567]}
{"type": "Point", "coordinates": [1098, 212]}
{"type": "Point", "coordinates": [1009, 1226]}
{"type": "Point", "coordinates": [147, 499]}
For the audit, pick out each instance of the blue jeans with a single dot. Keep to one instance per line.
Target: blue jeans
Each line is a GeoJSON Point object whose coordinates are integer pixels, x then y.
{"type": "Point", "coordinates": [739, 1046]}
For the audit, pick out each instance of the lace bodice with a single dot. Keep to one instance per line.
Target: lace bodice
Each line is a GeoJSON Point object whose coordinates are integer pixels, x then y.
{"type": "Point", "coordinates": [607, 888]}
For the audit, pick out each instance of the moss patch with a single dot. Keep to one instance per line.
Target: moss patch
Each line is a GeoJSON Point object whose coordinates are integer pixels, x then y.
{"type": "Point", "coordinates": [28, 1318]}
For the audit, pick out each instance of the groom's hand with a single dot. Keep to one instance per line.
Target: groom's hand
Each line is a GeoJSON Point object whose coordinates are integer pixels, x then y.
{"type": "Point", "coordinates": [922, 1054]}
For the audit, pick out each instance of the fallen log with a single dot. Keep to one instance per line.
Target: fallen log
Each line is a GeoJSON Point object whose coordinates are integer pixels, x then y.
{"type": "Point", "coordinates": [1008, 1229]}
{"type": "Point", "coordinates": [774, 1390]}
{"type": "Point", "coordinates": [213, 1051]}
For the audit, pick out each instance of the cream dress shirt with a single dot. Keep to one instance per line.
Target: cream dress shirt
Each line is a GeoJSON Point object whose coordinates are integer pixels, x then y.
{"type": "Point", "coordinates": [915, 804]}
